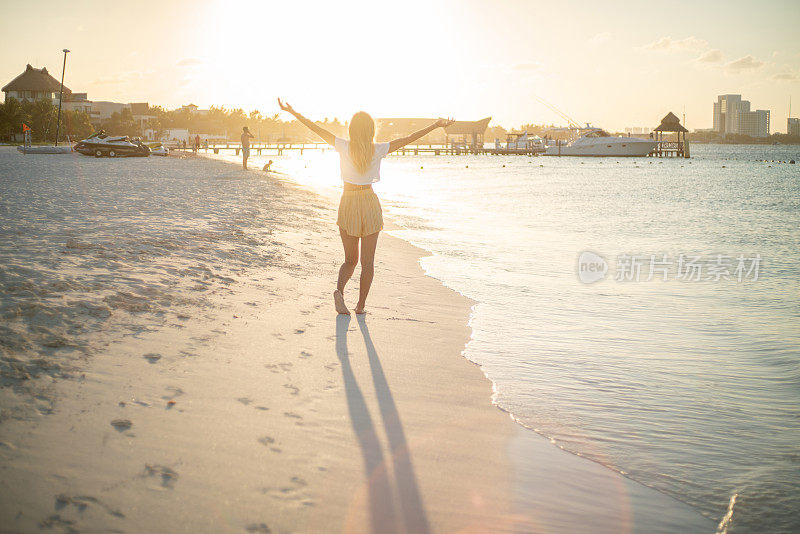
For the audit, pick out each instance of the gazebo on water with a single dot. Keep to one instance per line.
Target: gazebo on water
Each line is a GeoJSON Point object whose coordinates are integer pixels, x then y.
{"type": "Point", "coordinates": [680, 148]}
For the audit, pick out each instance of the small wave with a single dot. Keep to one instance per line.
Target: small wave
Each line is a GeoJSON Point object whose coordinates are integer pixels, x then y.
{"type": "Point", "coordinates": [726, 520]}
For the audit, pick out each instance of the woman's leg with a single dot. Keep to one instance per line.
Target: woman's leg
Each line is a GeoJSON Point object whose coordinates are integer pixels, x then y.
{"type": "Point", "coordinates": [350, 244]}
{"type": "Point", "coordinates": [368, 245]}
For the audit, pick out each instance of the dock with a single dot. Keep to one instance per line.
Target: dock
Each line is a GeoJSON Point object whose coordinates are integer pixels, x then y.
{"type": "Point", "coordinates": [280, 149]}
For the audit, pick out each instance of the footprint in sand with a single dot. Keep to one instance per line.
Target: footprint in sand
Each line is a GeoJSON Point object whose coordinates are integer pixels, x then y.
{"type": "Point", "coordinates": [121, 424]}
{"type": "Point", "coordinates": [82, 502]}
{"type": "Point", "coordinates": [299, 331]}
{"type": "Point", "coordinates": [292, 491]}
{"type": "Point", "coordinates": [258, 528]}
{"type": "Point", "coordinates": [278, 335]}
{"type": "Point", "coordinates": [331, 366]}
{"type": "Point", "coordinates": [292, 415]}
{"type": "Point", "coordinates": [167, 474]}
{"type": "Point", "coordinates": [262, 408]}
{"type": "Point", "coordinates": [304, 354]}
{"type": "Point", "coordinates": [244, 400]}
{"type": "Point", "coordinates": [175, 392]}
{"type": "Point", "coordinates": [55, 520]}
{"type": "Point", "coordinates": [294, 390]}
{"type": "Point", "coordinates": [268, 442]}
{"type": "Point", "coordinates": [152, 357]}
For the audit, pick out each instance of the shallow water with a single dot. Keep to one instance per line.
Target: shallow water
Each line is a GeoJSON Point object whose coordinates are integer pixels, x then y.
{"type": "Point", "coordinates": [688, 386]}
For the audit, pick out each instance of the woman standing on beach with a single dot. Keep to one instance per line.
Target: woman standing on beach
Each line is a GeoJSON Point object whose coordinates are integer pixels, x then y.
{"type": "Point", "coordinates": [360, 215]}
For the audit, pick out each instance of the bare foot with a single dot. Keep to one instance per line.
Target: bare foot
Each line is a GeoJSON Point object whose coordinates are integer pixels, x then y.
{"type": "Point", "coordinates": [360, 310]}
{"type": "Point", "coordinates": [338, 301]}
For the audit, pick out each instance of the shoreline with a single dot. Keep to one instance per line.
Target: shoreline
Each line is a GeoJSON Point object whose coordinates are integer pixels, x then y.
{"type": "Point", "coordinates": [654, 510]}
{"type": "Point", "coordinates": [250, 426]}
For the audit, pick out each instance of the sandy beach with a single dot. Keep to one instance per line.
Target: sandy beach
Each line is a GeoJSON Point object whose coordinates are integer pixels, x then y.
{"type": "Point", "coordinates": [171, 362]}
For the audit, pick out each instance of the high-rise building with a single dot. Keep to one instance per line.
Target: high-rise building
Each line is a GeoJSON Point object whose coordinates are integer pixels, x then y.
{"type": "Point", "coordinates": [793, 126]}
{"type": "Point", "coordinates": [754, 123]}
{"type": "Point", "coordinates": [732, 115]}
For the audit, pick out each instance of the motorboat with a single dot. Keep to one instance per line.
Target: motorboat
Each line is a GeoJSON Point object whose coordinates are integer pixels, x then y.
{"type": "Point", "coordinates": [102, 144]}
{"type": "Point", "coordinates": [524, 143]}
{"type": "Point", "coordinates": [598, 142]}
{"type": "Point", "coordinates": [158, 149]}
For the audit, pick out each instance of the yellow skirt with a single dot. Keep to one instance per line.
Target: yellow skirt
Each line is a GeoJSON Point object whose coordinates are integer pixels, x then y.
{"type": "Point", "coordinates": [360, 213]}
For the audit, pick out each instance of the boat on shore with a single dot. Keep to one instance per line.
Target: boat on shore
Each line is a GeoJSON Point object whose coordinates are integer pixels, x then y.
{"type": "Point", "coordinates": [101, 144]}
{"type": "Point", "coordinates": [45, 149]}
{"type": "Point", "coordinates": [596, 142]}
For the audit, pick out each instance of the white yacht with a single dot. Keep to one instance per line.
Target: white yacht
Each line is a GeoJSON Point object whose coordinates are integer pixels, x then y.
{"type": "Point", "coordinates": [598, 142]}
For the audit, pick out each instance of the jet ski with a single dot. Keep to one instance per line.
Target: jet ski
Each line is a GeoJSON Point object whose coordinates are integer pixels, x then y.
{"type": "Point", "coordinates": [102, 144]}
{"type": "Point", "coordinates": [158, 149]}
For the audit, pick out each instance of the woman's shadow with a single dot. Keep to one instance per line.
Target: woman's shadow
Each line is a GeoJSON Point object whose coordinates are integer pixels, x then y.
{"type": "Point", "coordinates": [383, 512]}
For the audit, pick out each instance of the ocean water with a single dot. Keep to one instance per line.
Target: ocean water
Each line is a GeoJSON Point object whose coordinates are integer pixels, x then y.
{"type": "Point", "coordinates": [689, 385]}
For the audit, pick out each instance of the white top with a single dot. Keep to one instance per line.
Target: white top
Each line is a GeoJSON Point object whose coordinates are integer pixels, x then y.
{"type": "Point", "coordinates": [350, 173]}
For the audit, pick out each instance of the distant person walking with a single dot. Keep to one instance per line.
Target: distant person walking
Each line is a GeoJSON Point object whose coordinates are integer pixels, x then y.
{"type": "Point", "coordinates": [246, 136]}
{"type": "Point", "coordinates": [196, 143]}
{"type": "Point", "coordinates": [360, 216]}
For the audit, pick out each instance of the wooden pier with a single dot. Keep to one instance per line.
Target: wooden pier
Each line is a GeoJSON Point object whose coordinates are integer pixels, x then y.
{"type": "Point", "coordinates": [467, 140]}
{"type": "Point", "coordinates": [281, 149]}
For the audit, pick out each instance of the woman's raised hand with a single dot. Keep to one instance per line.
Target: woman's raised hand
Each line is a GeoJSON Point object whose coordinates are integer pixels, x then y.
{"type": "Point", "coordinates": [285, 106]}
{"type": "Point", "coordinates": [444, 123]}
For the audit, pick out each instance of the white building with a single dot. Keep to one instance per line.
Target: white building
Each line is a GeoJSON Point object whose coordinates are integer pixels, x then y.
{"type": "Point", "coordinates": [732, 115]}
{"type": "Point", "coordinates": [194, 110]}
{"type": "Point", "coordinates": [754, 123]}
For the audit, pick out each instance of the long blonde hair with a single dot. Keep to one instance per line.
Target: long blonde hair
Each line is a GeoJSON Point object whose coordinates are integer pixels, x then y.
{"type": "Point", "coordinates": [362, 132]}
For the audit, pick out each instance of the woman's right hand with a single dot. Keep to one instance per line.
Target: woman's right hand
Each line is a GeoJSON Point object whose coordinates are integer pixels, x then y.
{"type": "Point", "coordinates": [444, 123]}
{"type": "Point", "coordinates": [285, 106]}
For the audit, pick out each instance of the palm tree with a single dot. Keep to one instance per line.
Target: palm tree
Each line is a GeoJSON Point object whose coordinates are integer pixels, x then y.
{"type": "Point", "coordinates": [11, 117]}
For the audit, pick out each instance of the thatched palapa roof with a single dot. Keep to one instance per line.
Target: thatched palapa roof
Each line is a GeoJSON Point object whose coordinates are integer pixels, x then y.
{"type": "Point", "coordinates": [670, 123]}
{"type": "Point", "coordinates": [468, 127]}
{"type": "Point", "coordinates": [35, 80]}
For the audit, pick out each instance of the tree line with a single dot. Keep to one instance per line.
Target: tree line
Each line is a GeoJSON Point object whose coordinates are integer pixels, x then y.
{"type": "Point", "coordinates": [42, 117]}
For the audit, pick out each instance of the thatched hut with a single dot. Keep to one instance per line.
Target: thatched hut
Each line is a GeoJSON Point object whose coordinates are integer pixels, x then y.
{"type": "Point", "coordinates": [34, 84]}
{"type": "Point", "coordinates": [671, 124]}
{"type": "Point", "coordinates": [467, 133]}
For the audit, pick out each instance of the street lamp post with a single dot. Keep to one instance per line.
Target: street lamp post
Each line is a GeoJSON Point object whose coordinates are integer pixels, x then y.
{"type": "Point", "coordinates": [61, 94]}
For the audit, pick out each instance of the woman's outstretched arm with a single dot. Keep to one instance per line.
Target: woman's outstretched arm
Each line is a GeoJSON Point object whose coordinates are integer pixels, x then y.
{"type": "Point", "coordinates": [326, 136]}
{"type": "Point", "coordinates": [403, 141]}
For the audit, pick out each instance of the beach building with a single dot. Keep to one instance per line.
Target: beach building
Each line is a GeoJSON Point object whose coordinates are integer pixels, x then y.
{"type": "Point", "coordinates": [732, 115]}
{"type": "Point", "coordinates": [793, 126]}
{"type": "Point", "coordinates": [35, 84]}
{"type": "Point", "coordinates": [467, 133]}
{"type": "Point", "coordinates": [80, 102]}
{"type": "Point", "coordinates": [194, 110]}
{"type": "Point", "coordinates": [175, 135]}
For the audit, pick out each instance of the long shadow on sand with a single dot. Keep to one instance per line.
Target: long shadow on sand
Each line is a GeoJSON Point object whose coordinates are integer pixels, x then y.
{"type": "Point", "coordinates": [382, 510]}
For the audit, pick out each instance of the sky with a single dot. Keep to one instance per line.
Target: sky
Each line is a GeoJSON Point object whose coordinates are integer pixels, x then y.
{"type": "Point", "coordinates": [615, 64]}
